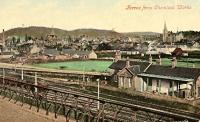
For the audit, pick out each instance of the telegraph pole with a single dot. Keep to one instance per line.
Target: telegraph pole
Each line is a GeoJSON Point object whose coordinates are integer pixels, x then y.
{"type": "Point", "coordinates": [22, 75]}
{"type": "Point", "coordinates": [3, 76]}
{"type": "Point", "coordinates": [36, 83]}
{"type": "Point", "coordinates": [98, 95]}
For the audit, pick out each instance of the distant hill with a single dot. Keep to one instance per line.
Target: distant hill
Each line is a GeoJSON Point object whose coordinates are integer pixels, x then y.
{"type": "Point", "coordinates": [130, 34]}
{"type": "Point", "coordinates": [95, 33]}
{"type": "Point", "coordinates": [44, 31]}
{"type": "Point", "coordinates": [34, 31]}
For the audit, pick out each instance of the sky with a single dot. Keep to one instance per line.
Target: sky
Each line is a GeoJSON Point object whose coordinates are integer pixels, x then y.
{"type": "Point", "coordinates": [118, 15]}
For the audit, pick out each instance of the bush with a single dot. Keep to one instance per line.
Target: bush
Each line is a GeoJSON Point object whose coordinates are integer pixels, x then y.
{"type": "Point", "coordinates": [62, 67]}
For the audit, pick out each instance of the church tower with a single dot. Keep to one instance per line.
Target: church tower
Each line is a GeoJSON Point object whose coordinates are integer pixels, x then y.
{"type": "Point", "coordinates": [165, 33]}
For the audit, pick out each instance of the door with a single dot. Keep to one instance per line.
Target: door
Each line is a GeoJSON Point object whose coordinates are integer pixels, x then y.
{"type": "Point", "coordinates": [183, 94]}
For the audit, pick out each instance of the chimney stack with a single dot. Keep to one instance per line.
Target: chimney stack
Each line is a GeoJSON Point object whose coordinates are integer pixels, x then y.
{"type": "Point", "coordinates": [127, 62]}
{"type": "Point", "coordinates": [174, 62]}
{"type": "Point", "coordinates": [117, 55]}
{"type": "Point", "coordinates": [159, 61]}
{"type": "Point", "coordinates": [150, 59]}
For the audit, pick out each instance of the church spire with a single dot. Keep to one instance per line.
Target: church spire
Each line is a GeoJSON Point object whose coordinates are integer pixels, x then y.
{"type": "Point", "coordinates": [165, 26]}
{"type": "Point", "coordinates": [165, 32]}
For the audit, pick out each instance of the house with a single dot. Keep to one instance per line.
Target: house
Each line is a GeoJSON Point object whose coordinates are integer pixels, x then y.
{"type": "Point", "coordinates": [80, 54]}
{"type": "Point", "coordinates": [177, 52]}
{"type": "Point", "coordinates": [6, 55]}
{"type": "Point", "coordinates": [158, 79]}
{"type": "Point", "coordinates": [125, 73]}
{"type": "Point", "coordinates": [35, 49]}
{"type": "Point", "coordinates": [173, 81]}
{"type": "Point", "coordinates": [92, 55]}
{"type": "Point", "coordinates": [50, 52]}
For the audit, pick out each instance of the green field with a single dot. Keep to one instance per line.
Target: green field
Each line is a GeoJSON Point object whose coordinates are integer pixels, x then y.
{"type": "Point", "coordinates": [102, 66]}
{"type": "Point", "coordinates": [90, 66]}
{"type": "Point", "coordinates": [184, 62]}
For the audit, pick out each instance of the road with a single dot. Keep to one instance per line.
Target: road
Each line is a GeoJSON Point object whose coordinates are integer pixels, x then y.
{"type": "Point", "coordinates": [10, 112]}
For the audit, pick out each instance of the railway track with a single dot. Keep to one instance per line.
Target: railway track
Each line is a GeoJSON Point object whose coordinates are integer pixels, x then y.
{"type": "Point", "coordinates": [126, 103]}
{"type": "Point", "coordinates": [125, 100]}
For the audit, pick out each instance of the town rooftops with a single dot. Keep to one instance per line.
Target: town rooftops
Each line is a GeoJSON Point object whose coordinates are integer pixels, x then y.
{"type": "Point", "coordinates": [72, 52]}
{"type": "Point", "coordinates": [120, 64]}
{"type": "Point", "coordinates": [65, 51]}
{"type": "Point", "coordinates": [51, 51]}
{"type": "Point", "coordinates": [6, 53]}
{"type": "Point", "coordinates": [175, 73]}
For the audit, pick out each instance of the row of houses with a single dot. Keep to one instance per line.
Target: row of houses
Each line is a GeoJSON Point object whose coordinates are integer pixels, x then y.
{"type": "Point", "coordinates": [54, 54]}
{"type": "Point", "coordinates": [147, 77]}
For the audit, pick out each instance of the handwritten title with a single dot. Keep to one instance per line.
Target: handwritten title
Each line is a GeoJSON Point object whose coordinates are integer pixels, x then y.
{"type": "Point", "coordinates": [157, 7]}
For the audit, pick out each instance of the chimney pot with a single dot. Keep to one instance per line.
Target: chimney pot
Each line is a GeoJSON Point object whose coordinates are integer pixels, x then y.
{"type": "Point", "coordinates": [127, 62]}
{"type": "Point", "coordinates": [150, 58]}
{"type": "Point", "coordinates": [117, 55]}
{"type": "Point", "coordinates": [174, 62]}
{"type": "Point", "coordinates": [159, 60]}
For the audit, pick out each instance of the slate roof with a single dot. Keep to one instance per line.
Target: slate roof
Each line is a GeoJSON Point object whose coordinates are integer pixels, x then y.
{"type": "Point", "coordinates": [181, 72]}
{"type": "Point", "coordinates": [120, 64]}
{"type": "Point", "coordinates": [72, 52]}
{"type": "Point", "coordinates": [177, 52]}
{"type": "Point", "coordinates": [51, 52]}
{"type": "Point", "coordinates": [159, 71]}
{"type": "Point", "coordinates": [6, 53]}
{"type": "Point", "coordinates": [125, 72]}
{"type": "Point", "coordinates": [135, 69]}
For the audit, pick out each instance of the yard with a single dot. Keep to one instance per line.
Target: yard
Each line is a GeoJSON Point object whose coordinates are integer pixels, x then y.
{"type": "Point", "coordinates": [102, 66]}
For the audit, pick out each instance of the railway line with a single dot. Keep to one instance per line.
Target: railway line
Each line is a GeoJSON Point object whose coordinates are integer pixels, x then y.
{"type": "Point", "coordinates": [85, 102]}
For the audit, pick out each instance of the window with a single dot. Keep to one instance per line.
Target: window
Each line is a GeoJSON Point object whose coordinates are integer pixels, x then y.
{"type": "Point", "coordinates": [122, 81]}
{"type": "Point", "coordinates": [157, 83]}
{"type": "Point", "coordinates": [170, 84]}
{"type": "Point", "coordinates": [150, 82]}
{"type": "Point", "coordinates": [158, 86]}
{"type": "Point", "coordinates": [129, 82]}
{"type": "Point", "coordinates": [198, 91]}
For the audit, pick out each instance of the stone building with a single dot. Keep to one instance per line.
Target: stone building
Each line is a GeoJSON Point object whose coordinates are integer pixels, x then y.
{"type": "Point", "coordinates": [158, 79]}
{"type": "Point", "coordinates": [171, 80]}
{"type": "Point", "coordinates": [80, 54]}
{"type": "Point", "coordinates": [125, 73]}
{"type": "Point", "coordinates": [165, 33]}
{"type": "Point", "coordinates": [92, 55]}
{"type": "Point", "coordinates": [168, 36]}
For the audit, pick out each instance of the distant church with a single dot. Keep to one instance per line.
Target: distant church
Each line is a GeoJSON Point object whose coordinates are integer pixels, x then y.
{"type": "Point", "coordinates": [165, 33]}
{"type": "Point", "coordinates": [168, 36]}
